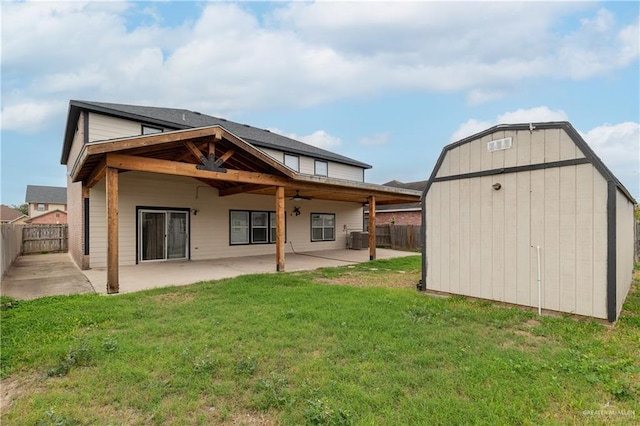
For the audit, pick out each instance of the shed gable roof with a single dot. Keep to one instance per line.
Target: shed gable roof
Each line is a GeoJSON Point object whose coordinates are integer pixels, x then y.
{"type": "Point", "coordinates": [177, 119]}
{"type": "Point", "coordinates": [582, 145]}
{"type": "Point", "coordinates": [46, 194]}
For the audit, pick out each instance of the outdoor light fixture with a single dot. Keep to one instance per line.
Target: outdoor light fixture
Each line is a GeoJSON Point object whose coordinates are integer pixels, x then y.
{"type": "Point", "coordinates": [496, 186]}
{"type": "Point", "coordinates": [194, 211]}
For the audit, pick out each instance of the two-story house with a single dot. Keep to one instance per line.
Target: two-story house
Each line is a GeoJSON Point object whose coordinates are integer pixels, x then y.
{"type": "Point", "coordinates": [149, 184]}
{"type": "Point", "coordinates": [46, 204]}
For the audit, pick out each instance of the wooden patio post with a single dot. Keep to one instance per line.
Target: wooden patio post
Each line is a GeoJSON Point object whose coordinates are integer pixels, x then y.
{"type": "Point", "coordinates": [372, 227]}
{"type": "Point", "coordinates": [113, 286]}
{"type": "Point", "coordinates": [280, 228]}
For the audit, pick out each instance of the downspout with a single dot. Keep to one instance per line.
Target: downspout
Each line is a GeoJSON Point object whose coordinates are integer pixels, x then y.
{"type": "Point", "coordinates": [539, 282]}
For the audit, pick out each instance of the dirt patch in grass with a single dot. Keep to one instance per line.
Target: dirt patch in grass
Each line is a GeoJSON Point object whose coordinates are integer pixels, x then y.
{"type": "Point", "coordinates": [251, 419]}
{"type": "Point", "coordinates": [391, 279]}
{"type": "Point", "coordinates": [12, 388]}
{"type": "Point", "coordinates": [173, 297]}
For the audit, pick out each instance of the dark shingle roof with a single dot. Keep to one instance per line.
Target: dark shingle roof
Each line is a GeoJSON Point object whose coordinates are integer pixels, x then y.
{"type": "Point", "coordinates": [175, 118]}
{"type": "Point", "coordinates": [416, 186]}
{"type": "Point", "coordinates": [46, 194]}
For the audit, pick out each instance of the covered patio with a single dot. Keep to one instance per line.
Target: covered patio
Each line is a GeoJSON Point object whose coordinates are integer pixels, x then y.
{"type": "Point", "coordinates": [221, 160]}
{"type": "Point", "coordinates": [146, 276]}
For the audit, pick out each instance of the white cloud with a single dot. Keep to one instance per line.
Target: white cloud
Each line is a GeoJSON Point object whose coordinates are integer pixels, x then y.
{"type": "Point", "coordinates": [375, 139]}
{"type": "Point", "coordinates": [616, 144]}
{"type": "Point", "coordinates": [319, 138]}
{"type": "Point", "coordinates": [300, 54]}
{"type": "Point", "coordinates": [30, 116]}
{"type": "Point", "coordinates": [531, 115]}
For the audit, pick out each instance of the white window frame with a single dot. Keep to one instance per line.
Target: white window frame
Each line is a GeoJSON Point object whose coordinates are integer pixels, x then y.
{"type": "Point", "coordinates": [323, 227]}
{"type": "Point", "coordinates": [250, 214]}
{"type": "Point", "coordinates": [326, 168]}
{"type": "Point", "coordinates": [288, 158]}
{"type": "Point", "coordinates": [246, 227]}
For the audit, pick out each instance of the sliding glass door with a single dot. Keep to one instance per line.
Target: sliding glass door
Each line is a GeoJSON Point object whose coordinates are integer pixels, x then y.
{"type": "Point", "coordinates": [162, 234]}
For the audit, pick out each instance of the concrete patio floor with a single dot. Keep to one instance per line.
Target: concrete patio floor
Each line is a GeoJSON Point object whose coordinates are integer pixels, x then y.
{"type": "Point", "coordinates": [163, 274]}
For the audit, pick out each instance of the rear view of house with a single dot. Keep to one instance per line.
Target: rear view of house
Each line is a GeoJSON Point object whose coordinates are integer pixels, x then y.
{"type": "Point", "coordinates": [528, 214]}
{"type": "Point", "coordinates": [150, 184]}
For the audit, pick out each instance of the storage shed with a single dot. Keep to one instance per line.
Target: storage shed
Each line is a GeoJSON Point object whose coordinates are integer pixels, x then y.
{"type": "Point", "coordinates": [528, 214]}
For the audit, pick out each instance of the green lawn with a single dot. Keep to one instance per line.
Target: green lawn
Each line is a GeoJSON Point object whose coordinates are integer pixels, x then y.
{"type": "Point", "coordinates": [350, 345]}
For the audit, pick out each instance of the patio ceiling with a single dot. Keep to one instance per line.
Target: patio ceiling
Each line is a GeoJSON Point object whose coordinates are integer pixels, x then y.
{"type": "Point", "coordinates": [224, 161]}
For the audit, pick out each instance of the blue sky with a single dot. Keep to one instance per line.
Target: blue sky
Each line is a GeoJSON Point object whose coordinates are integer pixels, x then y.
{"type": "Point", "coordinates": [385, 83]}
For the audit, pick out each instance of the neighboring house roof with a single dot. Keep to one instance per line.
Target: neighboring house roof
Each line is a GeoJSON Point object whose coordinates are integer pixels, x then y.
{"type": "Point", "coordinates": [7, 214]}
{"type": "Point", "coordinates": [416, 186]}
{"type": "Point", "coordinates": [177, 119]}
{"type": "Point", "coordinates": [46, 194]}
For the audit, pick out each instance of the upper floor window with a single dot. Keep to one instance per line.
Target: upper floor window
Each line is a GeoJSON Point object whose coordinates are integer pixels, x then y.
{"type": "Point", "coordinates": [149, 130]}
{"type": "Point", "coordinates": [292, 161]}
{"type": "Point", "coordinates": [321, 168]}
{"type": "Point", "coordinates": [41, 207]}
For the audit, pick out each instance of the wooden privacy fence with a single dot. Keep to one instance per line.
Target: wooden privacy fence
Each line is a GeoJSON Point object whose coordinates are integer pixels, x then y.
{"type": "Point", "coordinates": [45, 238]}
{"type": "Point", "coordinates": [399, 237]}
{"type": "Point", "coordinates": [10, 244]}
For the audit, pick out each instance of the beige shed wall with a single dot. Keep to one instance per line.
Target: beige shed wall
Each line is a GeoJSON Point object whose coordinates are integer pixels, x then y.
{"type": "Point", "coordinates": [624, 250]}
{"type": "Point", "coordinates": [481, 242]}
{"type": "Point", "coordinates": [210, 227]}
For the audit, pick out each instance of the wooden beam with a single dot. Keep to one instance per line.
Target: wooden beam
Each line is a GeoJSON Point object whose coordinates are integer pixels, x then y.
{"type": "Point", "coordinates": [239, 189]}
{"type": "Point", "coordinates": [153, 165]}
{"type": "Point", "coordinates": [97, 174]}
{"type": "Point", "coordinates": [372, 228]}
{"type": "Point", "coordinates": [113, 285]}
{"type": "Point", "coordinates": [280, 229]}
{"type": "Point", "coordinates": [211, 147]}
{"type": "Point", "coordinates": [224, 157]}
{"type": "Point", "coordinates": [195, 151]}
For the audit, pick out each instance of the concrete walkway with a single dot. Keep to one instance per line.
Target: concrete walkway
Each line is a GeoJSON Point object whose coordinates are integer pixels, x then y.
{"type": "Point", "coordinates": [39, 275]}
{"type": "Point", "coordinates": [162, 274]}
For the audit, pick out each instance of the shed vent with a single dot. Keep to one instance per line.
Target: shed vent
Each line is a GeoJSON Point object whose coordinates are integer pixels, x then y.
{"type": "Point", "coordinates": [499, 144]}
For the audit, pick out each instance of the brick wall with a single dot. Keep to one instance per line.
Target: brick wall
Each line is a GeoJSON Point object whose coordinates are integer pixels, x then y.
{"type": "Point", "coordinates": [401, 218]}
{"type": "Point", "coordinates": [51, 218]}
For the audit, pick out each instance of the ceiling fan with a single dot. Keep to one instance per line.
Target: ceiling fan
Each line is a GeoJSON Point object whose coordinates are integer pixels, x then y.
{"type": "Point", "coordinates": [299, 197]}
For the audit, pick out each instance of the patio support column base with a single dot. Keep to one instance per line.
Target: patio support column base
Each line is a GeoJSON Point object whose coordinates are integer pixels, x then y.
{"type": "Point", "coordinates": [280, 228]}
{"type": "Point", "coordinates": [372, 227]}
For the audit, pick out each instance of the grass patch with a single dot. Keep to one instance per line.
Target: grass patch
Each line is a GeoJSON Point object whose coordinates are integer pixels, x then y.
{"type": "Point", "coordinates": [291, 349]}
